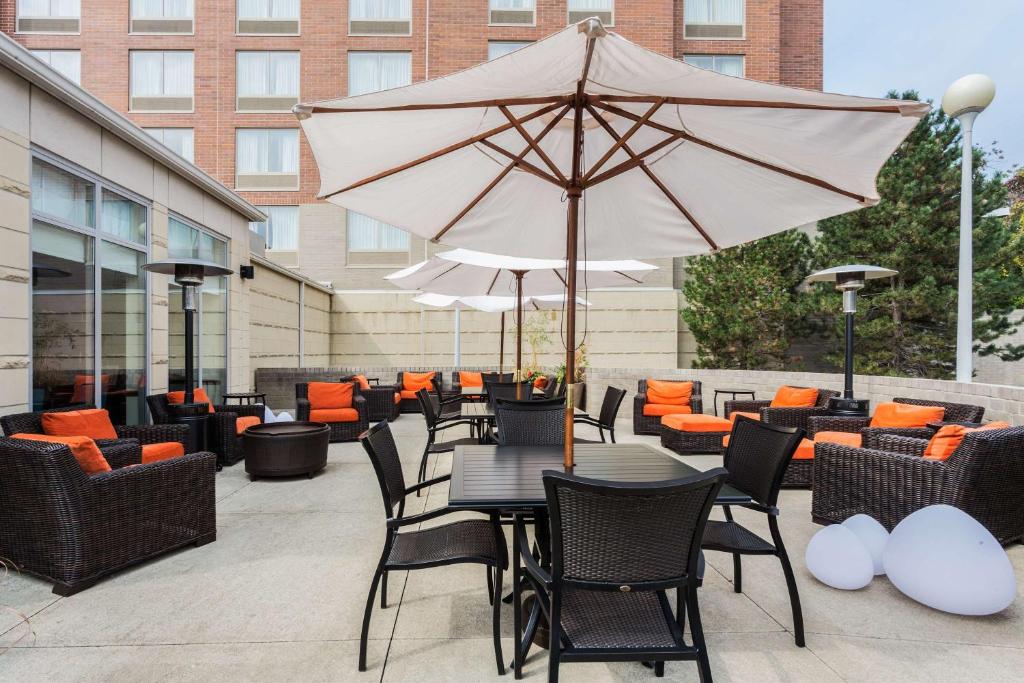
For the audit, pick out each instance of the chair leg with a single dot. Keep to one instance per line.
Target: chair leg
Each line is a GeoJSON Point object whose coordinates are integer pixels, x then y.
{"type": "Point", "coordinates": [366, 617]}
{"type": "Point", "coordinates": [737, 572]}
{"type": "Point", "coordinates": [697, 633]}
{"type": "Point", "coordinates": [384, 590]}
{"type": "Point", "coordinates": [490, 584]}
{"type": "Point", "coordinates": [611, 433]}
{"type": "Point", "coordinates": [787, 569]}
{"type": "Point", "coordinates": [554, 649]}
{"type": "Point", "coordinates": [659, 669]}
{"type": "Point", "coordinates": [495, 597]}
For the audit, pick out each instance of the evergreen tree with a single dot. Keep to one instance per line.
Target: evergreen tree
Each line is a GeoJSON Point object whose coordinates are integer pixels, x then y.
{"type": "Point", "coordinates": [907, 325]}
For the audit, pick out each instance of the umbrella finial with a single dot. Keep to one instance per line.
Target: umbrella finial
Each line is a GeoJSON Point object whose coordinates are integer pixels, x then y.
{"type": "Point", "coordinates": [592, 27]}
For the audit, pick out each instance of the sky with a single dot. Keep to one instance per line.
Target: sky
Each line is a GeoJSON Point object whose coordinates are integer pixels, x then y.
{"type": "Point", "coordinates": [873, 46]}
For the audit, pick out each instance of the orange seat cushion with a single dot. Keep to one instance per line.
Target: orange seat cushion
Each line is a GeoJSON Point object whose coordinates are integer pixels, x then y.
{"type": "Point", "coordinates": [94, 423]}
{"type": "Point", "coordinates": [405, 393]}
{"type": "Point", "coordinates": [795, 397]}
{"type": "Point", "coordinates": [805, 451]}
{"type": "Point", "coordinates": [329, 395]}
{"type": "Point", "coordinates": [697, 423]}
{"type": "Point", "coordinates": [949, 437]}
{"type": "Point", "coordinates": [334, 415]}
{"type": "Point", "coordinates": [412, 381]}
{"type": "Point", "coordinates": [364, 383]}
{"type": "Point", "coordinates": [736, 413]}
{"type": "Point", "coordinates": [198, 395]}
{"type": "Point", "coordinates": [246, 421]}
{"type": "Point", "coordinates": [657, 409]}
{"type": "Point", "coordinates": [844, 438]}
{"type": "Point", "coordinates": [673, 393]}
{"type": "Point", "coordinates": [85, 450]}
{"type": "Point", "coordinates": [905, 415]}
{"type": "Point", "coordinates": [471, 379]}
{"type": "Point", "coordinates": [153, 452]}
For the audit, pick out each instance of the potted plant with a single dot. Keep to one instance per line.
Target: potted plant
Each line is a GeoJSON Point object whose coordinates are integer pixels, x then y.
{"type": "Point", "coordinates": [580, 395]}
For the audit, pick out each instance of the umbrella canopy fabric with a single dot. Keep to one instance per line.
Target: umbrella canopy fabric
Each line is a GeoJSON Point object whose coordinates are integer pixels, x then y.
{"type": "Point", "coordinates": [462, 272]}
{"type": "Point", "coordinates": [496, 304]}
{"type": "Point", "coordinates": [676, 160]}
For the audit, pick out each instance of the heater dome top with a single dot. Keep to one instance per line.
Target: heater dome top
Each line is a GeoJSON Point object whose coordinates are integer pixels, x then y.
{"type": "Point", "coordinates": [850, 272]}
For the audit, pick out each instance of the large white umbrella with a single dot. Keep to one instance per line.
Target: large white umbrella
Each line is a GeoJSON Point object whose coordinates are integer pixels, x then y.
{"type": "Point", "coordinates": [669, 159]}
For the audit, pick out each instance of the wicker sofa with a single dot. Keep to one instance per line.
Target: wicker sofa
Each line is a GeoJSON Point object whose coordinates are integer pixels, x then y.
{"type": "Point", "coordinates": [954, 412]}
{"type": "Point", "coordinates": [223, 437]}
{"type": "Point", "coordinates": [409, 403]}
{"type": "Point", "coordinates": [783, 416]}
{"type": "Point", "coordinates": [651, 424]}
{"type": "Point", "coordinates": [60, 524]}
{"type": "Point", "coordinates": [984, 477]}
{"type": "Point", "coordinates": [380, 400]}
{"type": "Point", "coordinates": [340, 431]}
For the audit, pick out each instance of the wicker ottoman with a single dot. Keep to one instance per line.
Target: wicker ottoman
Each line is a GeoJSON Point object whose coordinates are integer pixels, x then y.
{"type": "Point", "coordinates": [283, 449]}
{"type": "Point", "coordinates": [694, 433]}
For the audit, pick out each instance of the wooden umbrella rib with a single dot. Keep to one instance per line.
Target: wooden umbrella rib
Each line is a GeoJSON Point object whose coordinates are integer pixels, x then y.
{"type": "Point", "coordinates": [637, 125]}
{"type": "Point", "coordinates": [443, 151]}
{"type": "Point", "coordinates": [533, 144]}
{"type": "Point", "coordinates": [637, 159]}
{"type": "Point", "coordinates": [510, 102]}
{"type": "Point", "coordinates": [495, 280]}
{"type": "Point", "coordinates": [523, 164]}
{"type": "Point", "coordinates": [757, 104]}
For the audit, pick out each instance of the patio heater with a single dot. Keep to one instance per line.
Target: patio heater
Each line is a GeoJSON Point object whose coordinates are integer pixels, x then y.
{"type": "Point", "coordinates": [190, 274]}
{"type": "Point", "coordinates": [849, 280]}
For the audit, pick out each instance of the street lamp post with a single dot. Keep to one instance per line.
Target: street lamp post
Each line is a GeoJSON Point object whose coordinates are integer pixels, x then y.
{"type": "Point", "coordinates": [964, 100]}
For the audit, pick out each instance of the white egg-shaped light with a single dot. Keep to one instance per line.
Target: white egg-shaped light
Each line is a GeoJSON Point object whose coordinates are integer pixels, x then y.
{"type": "Point", "coordinates": [874, 537]}
{"type": "Point", "coordinates": [837, 558]}
{"type": "Point", "coordinates": [971, 93]}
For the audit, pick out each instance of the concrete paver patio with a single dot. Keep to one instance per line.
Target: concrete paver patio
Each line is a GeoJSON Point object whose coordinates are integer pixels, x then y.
{"type": "Point", "coordinates": [280, 594]}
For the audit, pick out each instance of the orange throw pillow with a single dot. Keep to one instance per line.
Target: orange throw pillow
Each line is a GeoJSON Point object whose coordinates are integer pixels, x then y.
{"type": "Point", "coordinates": [412, 381]}
{"type": "Point", "coordinates": [471, 379]}
{"type": "Point", "coordinates": [540, 382]}
{"type": "Point", "coordinates": [364, 383]}
{"type": "Point", "coordinates": [244, 422]}
{"type": "Point", "coordinates": [905, 415]}
{"type": "Point", "coordinates": [672, 393]}
{"type": "Point", "coordinates": [154, 452]}
{"type": "Point", "coordinates": [198, 395]}
{"type": "Point", "coordinates": [94, 423]}
{"type": "Point", "coordinates": [949, 437]}
{"type": "Point", "coordinates": [327, 395]}
{"type": "Point", "coordinates": [795, 397]}
{"type": "Point", "coordinates": [85, 450]}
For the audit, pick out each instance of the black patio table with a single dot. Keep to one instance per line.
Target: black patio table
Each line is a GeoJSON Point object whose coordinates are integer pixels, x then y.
{"type": "Point", "coordinates": [509, 479]}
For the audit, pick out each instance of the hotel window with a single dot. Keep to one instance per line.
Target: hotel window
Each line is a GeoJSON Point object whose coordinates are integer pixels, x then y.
{"type": "Point", "coordinates": [500, 48]}
{"type": "Point", "coordinates": [276, 17]}
{"type": "Point", "coordinates": [730, 65]}
{"type": "Point", "coordinates": [267, 81]}
{"type": "Point", "coordinates": [373, 71]}
{"type": "Point", "coordinates": [185, 240]}
{"type": "Point", "coordinates": [267, 159]}
{"type": "Point", "coordinates": [67, 63]}
{"type": "Point", "coordinates": [48, 16]}
{"type": "Point", "coordinates": [89, 298]}
{"type": "Point", "coordinates": [180, 140]}
{"type": "Point", "coordinates": [584, 9]}
{"type": "Point", "coordinates": [162, 16]}
{"type": "Point", "coordinates": [162, 81]}
{"type": "Point", "coordinates": [713, 19]}
{"type": "Point", "coordinates": [380, 17]}
{"type": "Point", "coordinates": [515, 12]}
{"type": "Point", "coordinates": [281, 229]}
{"type": "Point", "coordinates": [367, 234]}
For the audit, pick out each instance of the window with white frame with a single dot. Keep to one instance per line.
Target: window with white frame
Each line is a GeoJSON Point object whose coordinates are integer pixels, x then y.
{"type": "Point", "coordinates": [180, 140]}
{"type": "Point", "coordinates": [277, 17]}
{"type": "Point", "coordinates": [713, 19]}
{"type": "Point", "coordinates": [584, 9]}
{"type": "Point", "coordinates": [369, 234]}
{"type": "Point", "coordinates": [281, 229]}
{"type": "Point", "coordinates": [162, 16]}
{"type": "Point", "coordinates": [380, 17]}
{"type": "Point", "coordinates": [730, 65]}
{"type": "Point", "coordinates": [500, 48]}
{"type": "Point", "coordinates": [67, 63]}
{"type": "Point", "coordinates": [267, 81]}
{"type": "Point", "coordinates": [515, 12]}
{"type": "Point", "coordinates": [49, 16]}
{"type": "Point", "coordinates": [267, 159]}
{"type": "Point", "coordinates": [162, 81]}
{"type": "Point", "coordinates": [373, 71]}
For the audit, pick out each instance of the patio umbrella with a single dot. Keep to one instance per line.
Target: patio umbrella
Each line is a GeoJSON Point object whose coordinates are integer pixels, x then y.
{"type": "Point", "coordinates": [669, 159]}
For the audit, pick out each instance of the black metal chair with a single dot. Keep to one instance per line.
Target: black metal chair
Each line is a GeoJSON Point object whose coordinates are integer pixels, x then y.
{"type": "Point", "coordinates": [551, 387]}
{"type": "Point", "coordinates": [616, 549]}
{"type": "Point", "coordinates": [478, 541]}
{"type": "Point", "coordinates": [514, 391]}
{"type": "Point", "coordinates": [448, 404]}
{"type": "Point", "coordinates": [530, 423]}
{"type": "Point", "coordinates": [756, 459]}
{"type": "Point", "coordinates": [609, 411]}
{"type": "Point", "coordinates": [437, 423]}
{"type": "Point", "coordinates": [497, 377]}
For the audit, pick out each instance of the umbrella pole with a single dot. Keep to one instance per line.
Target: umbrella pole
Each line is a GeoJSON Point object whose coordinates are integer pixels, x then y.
{"type": "Point", "coordinates": [519, 330]}
{"type": "Point", "coordinates": [501, 345]}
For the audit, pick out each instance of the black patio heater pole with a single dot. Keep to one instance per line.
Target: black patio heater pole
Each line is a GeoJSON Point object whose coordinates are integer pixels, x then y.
{"type": "Point", "coordinates": [188, 305]}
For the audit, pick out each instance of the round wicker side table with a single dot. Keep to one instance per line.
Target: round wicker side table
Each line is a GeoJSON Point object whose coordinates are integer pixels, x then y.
{"type": "Point", "coordinates": [284, 449]}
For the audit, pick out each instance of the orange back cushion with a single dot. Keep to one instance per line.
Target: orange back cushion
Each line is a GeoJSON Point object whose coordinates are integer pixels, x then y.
{"type": "Point", "coordinates": [795, 397]}
{"type": "Point", "coordinates": [540, 382]}
{"type": "Point", "coordinates": [949, 437]}
{"type": "Point", "coordinates": [84, 384]}
{"type": "Point", "coordinates": [471, 379]}
{"type": "Point", "coordinates": [671, 393]}
{"type": "Point", "coordinates": [94, 423]}
{"type": "Point", "coordinates": [364, 383]}
{"type": "Point", "coordinates": [198, 395]}
{"type": "Point", "coordinates": [326, 395]}
{"type": "Point", "coordinates": [905, 415]}
{"type": "Point", "coordinates": [85, 450]}
{"type": "Point", "coordinates": [414, 381]}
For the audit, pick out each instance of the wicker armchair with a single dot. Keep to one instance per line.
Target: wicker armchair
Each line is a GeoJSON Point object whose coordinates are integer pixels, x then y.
{"type": "Point", "coordinates": [955, 412]}
{"type": "Point", "coordinates": [410, 404]}
{"type": "Point", "coordinates": [984, 477]}
{"type": "Point", "coordinates": [651, 424]}
{"type": "Point", "coordinates": [64, 526]}
{"type": "Point", "coordinates": [380, 400]}
{"type": "Point", "coordinates": [222, 435]}
{"type": "Point", "coordinates": [340, 431]}
{"type": "Point", "coordinates": [783, 417]}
